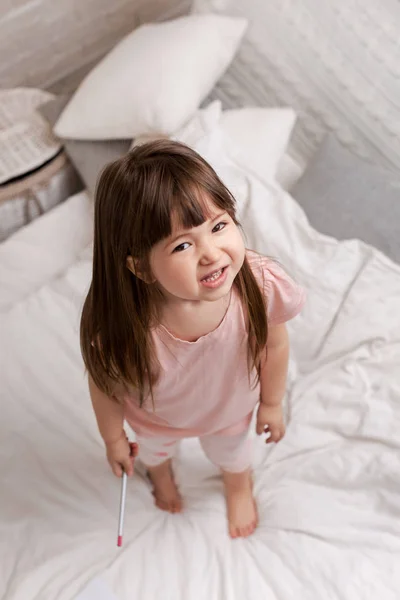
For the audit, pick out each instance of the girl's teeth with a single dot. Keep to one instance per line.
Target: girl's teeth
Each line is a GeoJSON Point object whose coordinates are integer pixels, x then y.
{"type": "Point", "coordinates": [214, 277]}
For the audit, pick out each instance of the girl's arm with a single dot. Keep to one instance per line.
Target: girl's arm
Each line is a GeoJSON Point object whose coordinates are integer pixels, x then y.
{"type": "Point", "coordinates": [273, 375]}
{"type": "Point", "coordinates": [274, 366]}
{"type": "Point", "coordinates": [110, 419]}
{"type": "Point", "coordinates": [109, 414]}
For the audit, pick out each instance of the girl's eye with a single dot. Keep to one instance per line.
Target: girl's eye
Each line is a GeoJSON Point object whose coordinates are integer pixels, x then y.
{"type": "Point", "coordinates": [181, 247]}
{"type": "Point", "coordinates": [219, 227]}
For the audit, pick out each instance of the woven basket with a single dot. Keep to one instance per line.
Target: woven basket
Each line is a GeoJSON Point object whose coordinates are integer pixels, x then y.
{"type": "Point", "coordinates": [33, 195]}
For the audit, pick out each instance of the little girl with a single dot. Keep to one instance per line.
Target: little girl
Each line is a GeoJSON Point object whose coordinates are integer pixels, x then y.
{"type": "Point", "coordinates": [182, 330]}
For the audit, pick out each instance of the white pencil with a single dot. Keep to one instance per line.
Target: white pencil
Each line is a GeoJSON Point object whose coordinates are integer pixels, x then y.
{"type": "Point", "coordinates": [122, 508]}
{"type": "Point", "coordinates": [124, 480]}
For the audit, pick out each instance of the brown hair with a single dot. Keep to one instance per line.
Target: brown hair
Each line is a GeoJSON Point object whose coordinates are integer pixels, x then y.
{"type": "Point", "coordinates": [136, 196]}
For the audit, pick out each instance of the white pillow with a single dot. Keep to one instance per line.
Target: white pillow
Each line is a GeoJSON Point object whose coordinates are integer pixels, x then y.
{"type": "Point", "coordinates": [289, 172]}
{"type": "Point", "coordinates": [259, 137]}
{"type": "Point", "coordinates": [153, 80]}
{"type": "Point", "coordinates": [203, 133]}
{"type": "Point", "coordinates": [254, 138]}
{"type": "Point", "coordinates": [238, 142]}
{"type": "Point", "coordinates": [44, 249]}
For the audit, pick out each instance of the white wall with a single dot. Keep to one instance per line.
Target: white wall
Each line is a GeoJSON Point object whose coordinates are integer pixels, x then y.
{"type": "Point", "coordinates": [43, 41]}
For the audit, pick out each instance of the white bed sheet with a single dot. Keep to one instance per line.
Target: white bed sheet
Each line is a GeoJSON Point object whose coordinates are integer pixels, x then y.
{"type": "Point", "coordinates": [328, 494]}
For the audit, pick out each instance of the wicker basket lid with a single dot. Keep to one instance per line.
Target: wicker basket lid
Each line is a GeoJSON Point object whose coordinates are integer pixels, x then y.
{"type": "Point", "coordinates": [26, 139]}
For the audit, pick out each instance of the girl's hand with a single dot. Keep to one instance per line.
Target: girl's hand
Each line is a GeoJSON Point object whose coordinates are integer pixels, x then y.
{"type": "Point", "coordinates": [120, 455]}
{"type": "Point", "coordinates": [270, 419]}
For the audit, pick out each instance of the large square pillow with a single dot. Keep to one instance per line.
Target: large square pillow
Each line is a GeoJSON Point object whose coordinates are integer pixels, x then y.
{"type": "Point", "coordinates": [153, 80]}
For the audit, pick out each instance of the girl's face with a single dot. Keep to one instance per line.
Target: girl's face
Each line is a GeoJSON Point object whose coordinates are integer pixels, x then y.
{"type": "Point", "coordinates": [199, 264]}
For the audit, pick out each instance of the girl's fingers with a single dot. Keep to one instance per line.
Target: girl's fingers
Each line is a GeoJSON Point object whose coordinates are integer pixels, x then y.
{"type": "Point", "coordinates": [117, 469]}
{"type": "Point", "coordinates": [276, 436]}
{"type": "Point", "coordinates": [134, 449]}
{"type": "Point", "coordinates": [128, 466]}
{"type": "Point", "coordinates": [260, 428]}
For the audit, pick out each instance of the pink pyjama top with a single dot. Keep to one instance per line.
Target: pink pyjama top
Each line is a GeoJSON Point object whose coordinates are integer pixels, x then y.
{"type": "Point", "coordinates": [204, 387]}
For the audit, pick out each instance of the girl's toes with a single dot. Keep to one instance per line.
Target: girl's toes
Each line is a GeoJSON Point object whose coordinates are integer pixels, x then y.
{"type": "Point", "coordinates": [250, 530]}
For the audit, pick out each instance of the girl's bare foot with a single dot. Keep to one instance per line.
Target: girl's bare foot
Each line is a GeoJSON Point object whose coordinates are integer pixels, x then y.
{"type": "Point", "coordinates": [165, 491]}
{"type": "Point", "coordinates": [241, 506]}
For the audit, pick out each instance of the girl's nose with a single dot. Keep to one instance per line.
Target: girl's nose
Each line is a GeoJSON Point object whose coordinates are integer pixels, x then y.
{"type": "Point", "coordinates": [209, 254]}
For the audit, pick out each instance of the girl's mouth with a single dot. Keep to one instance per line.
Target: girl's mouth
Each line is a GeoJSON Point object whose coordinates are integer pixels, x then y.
{"type": "Point", "coordinates": [216, 278]}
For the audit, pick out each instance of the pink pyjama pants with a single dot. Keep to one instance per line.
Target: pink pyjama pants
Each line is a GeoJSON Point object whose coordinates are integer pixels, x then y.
{"type": "Point", "coordinates": [228, 452]}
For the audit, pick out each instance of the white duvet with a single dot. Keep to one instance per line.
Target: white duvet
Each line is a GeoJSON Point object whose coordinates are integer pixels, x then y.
{"type": "Point", "coordinates": [328, 494]}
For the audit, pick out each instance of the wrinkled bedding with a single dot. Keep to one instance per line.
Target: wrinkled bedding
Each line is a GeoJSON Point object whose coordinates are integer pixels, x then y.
{"type": "Point", "coordinates": [328, 494]}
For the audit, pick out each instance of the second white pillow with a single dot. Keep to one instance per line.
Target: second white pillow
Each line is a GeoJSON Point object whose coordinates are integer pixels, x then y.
{"type": "Point", "coordinates": [259, 136]}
